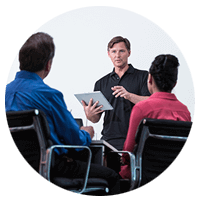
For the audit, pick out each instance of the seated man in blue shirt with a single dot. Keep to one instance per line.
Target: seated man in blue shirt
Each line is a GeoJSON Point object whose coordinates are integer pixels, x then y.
{"type": "Point", "coordinates": [28, 91]}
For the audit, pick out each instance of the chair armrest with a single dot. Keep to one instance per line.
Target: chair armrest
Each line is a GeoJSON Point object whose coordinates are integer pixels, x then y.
{"type": "Point", "coordinates": [49, 160]}
{"type": "Point", "coordinates": [133, 167]}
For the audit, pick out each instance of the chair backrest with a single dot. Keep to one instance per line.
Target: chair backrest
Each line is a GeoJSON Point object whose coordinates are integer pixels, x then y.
{"type": "Point", "coordinates": [30, 131]}
{"type": "Point", "coordinates": [159, 143]}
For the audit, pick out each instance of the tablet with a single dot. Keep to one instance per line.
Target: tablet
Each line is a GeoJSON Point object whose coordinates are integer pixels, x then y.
{"type": "Point", "coordinates": [96, 96]}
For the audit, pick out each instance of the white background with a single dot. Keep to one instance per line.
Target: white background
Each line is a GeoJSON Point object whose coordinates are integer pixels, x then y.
{"type": "Point", "coordinates": [81, 37]}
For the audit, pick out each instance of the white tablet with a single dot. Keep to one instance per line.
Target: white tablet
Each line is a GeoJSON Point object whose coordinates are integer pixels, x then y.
{"type": "Point", "coordinates": [96, 96]}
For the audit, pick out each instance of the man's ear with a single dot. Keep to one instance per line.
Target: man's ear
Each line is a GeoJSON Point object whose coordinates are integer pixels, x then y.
{"type": "Point", "coordinates": [48, 65]}
{"type": "Point", "coordinates": [108, 53]}
{"type": "Point", "coordinates": [129, 53]}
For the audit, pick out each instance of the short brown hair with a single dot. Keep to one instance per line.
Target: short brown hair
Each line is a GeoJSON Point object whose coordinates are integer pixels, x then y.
{"type": "Point", "coordinates": [36, 52]}
{"type": "Point", "coordinates": [119, 39]}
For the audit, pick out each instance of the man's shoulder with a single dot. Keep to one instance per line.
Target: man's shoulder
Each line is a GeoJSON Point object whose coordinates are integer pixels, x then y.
{"type": "Point", "coordinates": [47, 95]}
{"type": "Point", "coordinates": [101, 82]}
{"type": "Point", "coordinates": [141, 71]}
{"type": "Point", "coordinates": [141, 75]}
{"type": "Point", "coordinates": [47, 89]}
{"type": "Point", "coordinates": [104, 77]}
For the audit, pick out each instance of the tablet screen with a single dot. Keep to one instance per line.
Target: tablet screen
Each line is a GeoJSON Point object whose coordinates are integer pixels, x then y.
{"type": "Point", "coordinates": [96, 96]}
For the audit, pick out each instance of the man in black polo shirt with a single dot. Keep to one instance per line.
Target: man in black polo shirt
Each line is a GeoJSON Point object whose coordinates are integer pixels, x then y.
{"type": "Point", "coordinates": [123, 88]}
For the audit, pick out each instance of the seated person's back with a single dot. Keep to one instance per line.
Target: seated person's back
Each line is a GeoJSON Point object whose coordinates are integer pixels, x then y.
{"type": "Point", "coordinates": [28, 91]}
{"type": "Point", "coordinates": [162, 104]}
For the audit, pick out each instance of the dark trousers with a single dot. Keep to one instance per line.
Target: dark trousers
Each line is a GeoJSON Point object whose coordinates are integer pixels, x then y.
{"type": "Point", "coordinates": [77, 169]}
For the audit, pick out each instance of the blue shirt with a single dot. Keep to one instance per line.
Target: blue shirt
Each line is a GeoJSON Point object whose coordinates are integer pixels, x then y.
{"type": "Point", "coordinates": [28, 91]}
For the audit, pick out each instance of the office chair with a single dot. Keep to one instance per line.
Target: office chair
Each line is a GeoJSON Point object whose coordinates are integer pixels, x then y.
{"type": "Point", "coordinates": [31, 134]}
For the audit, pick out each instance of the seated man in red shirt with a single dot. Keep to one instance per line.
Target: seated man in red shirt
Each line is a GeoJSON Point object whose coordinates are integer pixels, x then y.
{"type": "Point", "coordinates": [162, 104]}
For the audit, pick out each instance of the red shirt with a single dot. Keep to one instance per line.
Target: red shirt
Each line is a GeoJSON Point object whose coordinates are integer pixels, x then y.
{"type": "Point", "coordinates": [160, 105]}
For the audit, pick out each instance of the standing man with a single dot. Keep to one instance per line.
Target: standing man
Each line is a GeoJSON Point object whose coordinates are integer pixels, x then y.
{"type": "Point", "coordinates": [123, 88]}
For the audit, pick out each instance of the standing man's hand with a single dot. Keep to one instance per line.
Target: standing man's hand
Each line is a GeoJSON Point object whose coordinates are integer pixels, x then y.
{"type": "Point", "coordinates": [92, 112]}
{"type": "Point", "coordinates": [121, 91]}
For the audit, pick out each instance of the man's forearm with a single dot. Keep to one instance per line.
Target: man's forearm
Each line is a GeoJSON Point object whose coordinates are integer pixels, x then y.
{"type": "Point", "coordinates": [122, 92]}
{"type": "Point", "coordinates": [134, 98]}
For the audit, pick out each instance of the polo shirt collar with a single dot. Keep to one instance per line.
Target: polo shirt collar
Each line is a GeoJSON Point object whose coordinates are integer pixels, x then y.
{"type": "Point", "coordinates": [28, 75]}
{"type": "Point", "coordinates": [164, 95]}
{"type": "Point", "coordinates": [129, 71]}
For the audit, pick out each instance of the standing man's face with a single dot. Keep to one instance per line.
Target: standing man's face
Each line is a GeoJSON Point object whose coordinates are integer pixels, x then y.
{"type": "Point", "coordinates": [119, 55]}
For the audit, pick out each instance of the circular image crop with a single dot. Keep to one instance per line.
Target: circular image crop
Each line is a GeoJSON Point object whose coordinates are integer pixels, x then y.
{"type": "Point", "coordinates": [103, 53]}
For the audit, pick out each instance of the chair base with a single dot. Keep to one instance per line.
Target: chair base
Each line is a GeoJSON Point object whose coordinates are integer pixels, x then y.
{"type": "Point", "coordinates": [94, 184]}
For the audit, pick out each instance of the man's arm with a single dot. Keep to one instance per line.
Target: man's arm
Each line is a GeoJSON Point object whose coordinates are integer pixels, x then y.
{"type": "Point", "coordinates": [65, 125]}
{"type": "Point", "coordinates": [122, 92]}
{"type": "Point", "coordinates": [92, 112]}
{"type": "Point", "coordinates": [88, 129]}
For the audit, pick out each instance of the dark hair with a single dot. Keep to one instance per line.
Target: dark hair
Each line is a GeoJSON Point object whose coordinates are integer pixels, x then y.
{"type": "Point", "coordinates": [164, 70]}
{"type": "Point", "coordinates": [119, 39]}
{"type": "Point", "coordinates": [36, 52]}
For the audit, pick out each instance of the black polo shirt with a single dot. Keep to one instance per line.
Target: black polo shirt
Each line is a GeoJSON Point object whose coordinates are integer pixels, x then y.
{"type": "Point", "coordinates": [116, 121]}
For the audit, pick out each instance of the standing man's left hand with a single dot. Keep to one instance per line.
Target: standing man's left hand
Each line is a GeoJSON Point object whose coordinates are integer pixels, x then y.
{"type": "Point", "coordinates": [121, 91]}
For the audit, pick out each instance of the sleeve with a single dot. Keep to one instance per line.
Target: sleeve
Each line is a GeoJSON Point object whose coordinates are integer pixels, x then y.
{"type": "Point", "coordinates": [135, 118]}
{"type": "Point", "coordinates": [65, 125]}
{"type": "Point", "coordinates": [97, 86]}
{"type": "Point", "coordinates": [144, 89]}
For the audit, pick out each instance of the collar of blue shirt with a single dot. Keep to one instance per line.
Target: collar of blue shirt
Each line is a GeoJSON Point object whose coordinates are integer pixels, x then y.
{"type": "Point", "coordinates": [28, 75]}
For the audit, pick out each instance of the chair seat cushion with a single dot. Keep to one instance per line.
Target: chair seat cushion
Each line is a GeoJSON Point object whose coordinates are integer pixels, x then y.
{"type": "Point", "coordinates": [68, 183]}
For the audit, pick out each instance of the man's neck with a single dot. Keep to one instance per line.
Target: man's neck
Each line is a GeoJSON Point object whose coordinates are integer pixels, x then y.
{"type": "Point", "coordinates": [42, 74]}
{"type": "Point", "coordinates": [121, 70]}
